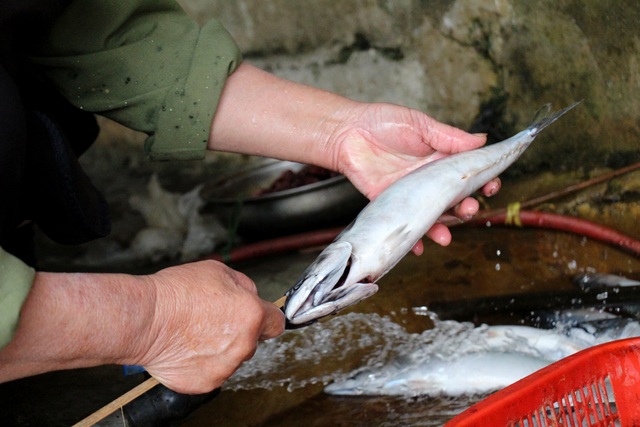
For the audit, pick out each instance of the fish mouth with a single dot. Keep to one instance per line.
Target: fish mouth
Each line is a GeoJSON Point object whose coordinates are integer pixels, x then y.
{"type": "Point", "coordinates": [326, 287]}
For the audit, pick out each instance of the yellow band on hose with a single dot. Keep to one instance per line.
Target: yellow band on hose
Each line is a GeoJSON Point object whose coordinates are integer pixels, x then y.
{"type": "Point", "coordinates": [513, 214]}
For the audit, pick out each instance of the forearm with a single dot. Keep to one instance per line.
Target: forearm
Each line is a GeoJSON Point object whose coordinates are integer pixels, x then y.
{"type": "Point", "coordinates": [190, 326]}
{"type": "Point", "coordinates": [264, 115]}
{"type": "Point", "coordinates": [79, 320]}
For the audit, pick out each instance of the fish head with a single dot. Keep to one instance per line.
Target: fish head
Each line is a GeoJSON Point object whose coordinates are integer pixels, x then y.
{"type": "Point", "coordinates": [327, 286]}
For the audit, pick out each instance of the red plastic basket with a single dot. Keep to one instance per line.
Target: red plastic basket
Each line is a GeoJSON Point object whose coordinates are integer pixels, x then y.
{"type": "Point", "coordinates": [599, 386]}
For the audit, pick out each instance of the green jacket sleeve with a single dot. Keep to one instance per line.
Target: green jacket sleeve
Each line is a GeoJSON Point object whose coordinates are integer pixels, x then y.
{"type": "Point", "coordinates": [16, 279]}
{"type": "Point", "coordinates": [143, 63]}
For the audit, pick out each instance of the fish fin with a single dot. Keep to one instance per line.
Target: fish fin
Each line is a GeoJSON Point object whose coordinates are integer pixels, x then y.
{"type": "Point", "coordinates": [544, 118]}
{"type": "Point", "coordinates": [397, 237]}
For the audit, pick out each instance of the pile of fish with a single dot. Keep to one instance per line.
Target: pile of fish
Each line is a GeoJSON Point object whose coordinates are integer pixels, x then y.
{"type": "Point", "coordinates": [502, 356]}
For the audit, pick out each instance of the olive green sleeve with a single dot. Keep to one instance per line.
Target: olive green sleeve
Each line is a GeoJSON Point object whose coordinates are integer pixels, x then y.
{"type": "Point", "coordinates": [16, 279]}
{"type": "Point", "coordinates": [145, 64]}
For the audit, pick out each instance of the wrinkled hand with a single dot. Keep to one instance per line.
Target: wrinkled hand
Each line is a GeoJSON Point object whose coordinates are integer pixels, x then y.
{"type": "Point", "coordinates": [375, 144]}
{"type": "Point", "coordinates": [372, 144]}
{"type": "Point", "coordinates": [208, 320]}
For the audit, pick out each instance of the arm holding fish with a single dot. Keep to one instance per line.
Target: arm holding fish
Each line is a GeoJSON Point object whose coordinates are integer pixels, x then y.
{"type": "Point", "coordinates": [373, 144]}
{"type": "Point", "coordinates": [383, 142]}
{"type": "Point", "coordinates": [347, 270]}
{"type": "Point", "coordinates": [82, 320]}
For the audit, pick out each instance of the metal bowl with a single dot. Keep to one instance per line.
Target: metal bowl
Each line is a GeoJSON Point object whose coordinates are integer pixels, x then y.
{"type": "Point", "coordinates": [331, 202]}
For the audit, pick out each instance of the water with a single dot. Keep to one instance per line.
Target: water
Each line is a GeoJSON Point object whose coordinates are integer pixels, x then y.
{"type": "Point", "coordinates": [327, 347]}
{"type": "Point", "coordinates": [299, 364]}
{"type": "Point", "coordinates": [326, 352]}
{"type": "Point", "coordinates": [343, 346]}
{"type": "Point", "coordinates": [372, 411]}
{"type": "Point", "coordinates": [322, 352]}
{"type": "Point", "coordinates": [283, 384]}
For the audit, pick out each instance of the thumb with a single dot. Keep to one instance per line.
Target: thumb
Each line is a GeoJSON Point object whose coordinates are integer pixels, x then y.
{"type": "Point", "coordinates": [273, 321]}
{"type": "Point", "coordinates": [448, 139]}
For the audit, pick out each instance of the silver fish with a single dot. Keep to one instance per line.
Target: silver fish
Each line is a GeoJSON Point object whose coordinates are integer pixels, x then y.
{"type": "Point", "coordinates": [389, 226]}
{"type": "Point", "coordinates": [502, 355]}
{"type": "Point", "coordinates": [469, 374]}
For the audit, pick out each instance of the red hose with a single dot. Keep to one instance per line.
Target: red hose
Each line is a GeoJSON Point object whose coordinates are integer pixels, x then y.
{"type": "Point", "coordinates": [569, 224]}
{"type": "Point", "coordinates": [530, 218]}
{"type": "Point", "coordinates": [277, 245]}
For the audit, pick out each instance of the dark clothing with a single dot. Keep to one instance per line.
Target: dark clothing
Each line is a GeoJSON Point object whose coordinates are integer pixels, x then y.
{"type": "Point", "coordinates": [143, 63]}
{"type": "Point", "coordinates": [42, 135]}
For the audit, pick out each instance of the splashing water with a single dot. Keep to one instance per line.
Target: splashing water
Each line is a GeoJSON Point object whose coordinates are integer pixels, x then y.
{"type": "Point", "coordinates": [321, 352]}
{"type": "Point", "coordinates": [354, 345]}
{"type": "Point", "coordinates": [347, 345]}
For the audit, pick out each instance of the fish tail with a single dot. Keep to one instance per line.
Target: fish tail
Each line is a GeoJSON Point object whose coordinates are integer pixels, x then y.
{"type": "Point", "coordinates": [543, 118]}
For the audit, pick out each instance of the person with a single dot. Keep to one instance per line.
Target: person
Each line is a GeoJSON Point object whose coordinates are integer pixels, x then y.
{"type": "Point", "coordinates": [145, 64]}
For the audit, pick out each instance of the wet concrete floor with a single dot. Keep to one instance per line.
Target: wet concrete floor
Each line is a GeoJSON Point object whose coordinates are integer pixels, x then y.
{"type": "Point", "coordinates": [481, 262]}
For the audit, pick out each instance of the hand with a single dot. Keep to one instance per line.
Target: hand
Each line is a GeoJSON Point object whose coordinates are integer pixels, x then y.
{"type": "Point", "coordinates": [208, 320]}
{"type": "Point", "coordinates": [378, 143]}
{"type": "Point", "coordinates": [372, 144]}
{"type": "Point", "coordinates": [191, 326]}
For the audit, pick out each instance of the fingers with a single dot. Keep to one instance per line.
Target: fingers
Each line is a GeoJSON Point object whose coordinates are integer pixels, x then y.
{"type": "Point", "coordinates": [273, 322]}
{"type": "Point", "coordinates": [470, 206]}
{"type": "Point", "coordinates": [241, 280]}
{"type": "Point", "coordinates": [492, 187]}
{"type": "Point", "coordinates": [467, 208]}
{"type": "Point", "coordinates": [440, 234]}
{"type": "Point", "coordinates": [209, 320]}
{"type": "Point", "coordinates": [449, 139]}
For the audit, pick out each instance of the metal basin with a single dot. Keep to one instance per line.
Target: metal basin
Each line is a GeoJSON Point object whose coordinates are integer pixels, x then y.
{"type": "Point", "coordinates": [330, 202]}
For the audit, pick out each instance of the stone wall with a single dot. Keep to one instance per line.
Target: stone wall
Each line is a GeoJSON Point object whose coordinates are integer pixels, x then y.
{"type": "Point", "coordinates": [485, 65]}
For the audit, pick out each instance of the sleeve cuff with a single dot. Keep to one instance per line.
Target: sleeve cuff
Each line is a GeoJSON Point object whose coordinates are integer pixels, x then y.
{"type": "Point", "coordinates": [16, 279]}
{"type": "Point", "coordinates": [144, 64]}
{"type": "Point", "coordinates": [184, 120]}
